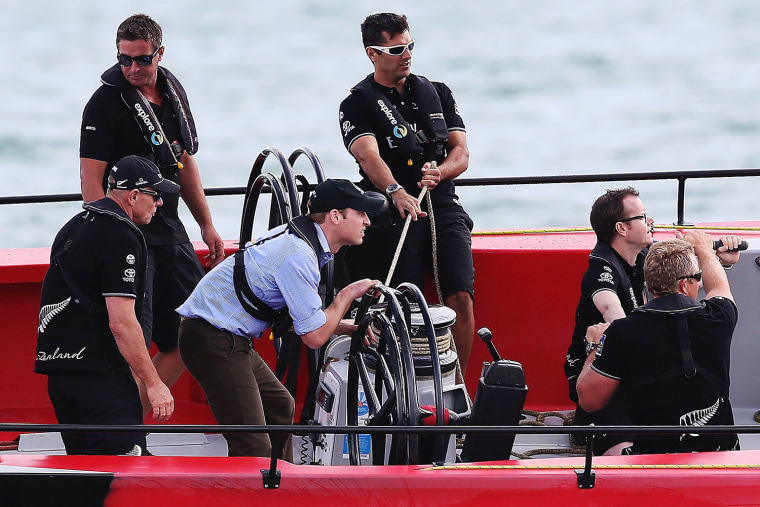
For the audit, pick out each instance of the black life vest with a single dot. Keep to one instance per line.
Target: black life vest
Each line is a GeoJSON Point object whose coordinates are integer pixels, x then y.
{"type": "Point", "coordinates": [165, 153]}
{"type": "Point", "coordinates": [303, 227]}
{"type": "Point", "coordinates": [678, 307]}
{"type": "Point", "coordinates": [606, 253]}
{"type": "Point", "coordinates": [424, 145]}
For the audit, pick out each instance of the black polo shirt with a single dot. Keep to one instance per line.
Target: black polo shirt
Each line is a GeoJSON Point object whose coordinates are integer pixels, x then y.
{"type": "Point", "coordinates": [106, 258]}
{"type": "Point", "coordinates": [602, 275]}
{"type": "Point", "coordinates": [110, 132]}
{"type": "Point", "coordinates": [643, 353]}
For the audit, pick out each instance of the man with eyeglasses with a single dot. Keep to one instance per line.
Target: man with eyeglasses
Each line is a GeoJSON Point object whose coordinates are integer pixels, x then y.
{"type": "Point", "coordinates": [671, 356]}
{"type": "Point", "coordinates": [611, 288]}
{"type": "Point", "coordinates": [89, 337]}
{"type": "Point", "coordinates": [405, 132]}
{"type": "Point", "coordinates": [142, 109]}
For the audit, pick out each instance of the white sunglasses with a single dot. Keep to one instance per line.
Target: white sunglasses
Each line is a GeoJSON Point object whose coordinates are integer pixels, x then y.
{"type": "Point", "coordinates": [394, 50]}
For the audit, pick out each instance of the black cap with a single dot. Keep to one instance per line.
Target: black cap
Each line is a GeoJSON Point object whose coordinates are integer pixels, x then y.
{"type": "Point", "coordinates": [340, 194]}
{"type": "Point", "coordinates": [134, 172]}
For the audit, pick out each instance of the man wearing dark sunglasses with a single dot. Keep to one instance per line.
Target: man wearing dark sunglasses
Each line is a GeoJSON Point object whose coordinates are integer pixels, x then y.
{"type": "Point", "coordinates": [89, 336]}
{"type": "Point", "coordinates": [611, 288]}
{"type": "Point", "coordinates": [405, 132]}
{"type": "Point", "coordinates": [142, 109]}
{"type": "Point", "coordinates": [671, 356]}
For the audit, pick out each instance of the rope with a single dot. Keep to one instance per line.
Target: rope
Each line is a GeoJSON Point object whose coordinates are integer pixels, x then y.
{"type": "Point", "coordinates": [587, 229]}
{"type": "Point", "coordinates": [434, 241]}
{"type": "Point", "coordinates": [11, 445]}
{"type": "Point", "coordinates": [401, 240]}
{"type": "Point", "coordinates": [434, 247]}
{"type": "Point", "coordinates": [567, 420]}
{"type": "Point", "coordinates": [421, 347]}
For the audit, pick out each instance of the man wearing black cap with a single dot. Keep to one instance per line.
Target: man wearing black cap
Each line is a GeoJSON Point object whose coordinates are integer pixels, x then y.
{"type": "Point", "coordinates": [277, 278]}
{"type": "Point", "coordinates": [89, 336]}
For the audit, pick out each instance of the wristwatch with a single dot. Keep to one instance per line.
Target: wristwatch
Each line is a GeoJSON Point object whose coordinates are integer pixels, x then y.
{"type": "Point", "coordinates": [590, 346]}
{"type": "Point", "coordinates": [393, 187]}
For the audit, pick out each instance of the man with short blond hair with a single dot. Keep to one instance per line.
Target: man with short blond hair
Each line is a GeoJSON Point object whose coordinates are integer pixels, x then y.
{"type": "Point", "coordinates": [670, 356]}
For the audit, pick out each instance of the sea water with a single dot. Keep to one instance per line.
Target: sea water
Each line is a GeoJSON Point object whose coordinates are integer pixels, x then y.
{"type": "Point", "coordinates": [545, 87]}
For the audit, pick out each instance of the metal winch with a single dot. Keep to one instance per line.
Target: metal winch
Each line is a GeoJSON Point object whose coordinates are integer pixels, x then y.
{"type": "Point", "coordinates": [396, 381]}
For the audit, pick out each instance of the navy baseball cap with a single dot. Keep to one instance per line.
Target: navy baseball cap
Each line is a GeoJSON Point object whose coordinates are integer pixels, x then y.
{"type": "Point", "coordinates": [133, 172]}
{"type": "Point", "coordinates": [340, 194]}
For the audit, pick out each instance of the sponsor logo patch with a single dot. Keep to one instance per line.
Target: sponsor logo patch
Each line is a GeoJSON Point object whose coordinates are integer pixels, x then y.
{"type": "Point", "coordinates": [386, 110]}
{"type": "Point", "coordinates": [130, 259]}
{"type": "Point", "coordinates": [347, 127]}
{"type": "Point", "coordinates": [129, 275]}
{"type": "Point", "coordinates": [605, 278]}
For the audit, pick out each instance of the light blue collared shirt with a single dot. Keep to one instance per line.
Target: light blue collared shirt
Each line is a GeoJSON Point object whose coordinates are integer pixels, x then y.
{"type": "Point", "coordinates": [282, 271]}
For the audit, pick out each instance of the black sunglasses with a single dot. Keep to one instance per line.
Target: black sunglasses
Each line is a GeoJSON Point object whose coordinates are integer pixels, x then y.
{"type": "Point", "coordinates": [157, 194]}
{"type": "Point", "coordinates": [637, 217]}
{"type": "Point", "coordinates": [697, 276]}
{"type": "Point", "coordinates": [142, 60]}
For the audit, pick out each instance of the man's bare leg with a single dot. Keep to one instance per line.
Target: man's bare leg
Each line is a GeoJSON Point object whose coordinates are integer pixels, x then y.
{"type": "Point", "coordinates": [464, 327]}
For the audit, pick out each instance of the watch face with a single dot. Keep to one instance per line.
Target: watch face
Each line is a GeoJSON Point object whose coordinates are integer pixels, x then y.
{"type": "Point", "coordinates": [392, 188]}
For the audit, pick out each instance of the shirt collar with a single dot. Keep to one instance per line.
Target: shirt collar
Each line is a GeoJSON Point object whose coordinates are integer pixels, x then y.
{"type": "Point", "coordinates": [326, 255]}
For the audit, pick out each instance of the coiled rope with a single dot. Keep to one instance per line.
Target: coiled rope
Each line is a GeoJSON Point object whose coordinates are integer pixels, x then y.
{"type": "Point", "coordinates": [540, 417]}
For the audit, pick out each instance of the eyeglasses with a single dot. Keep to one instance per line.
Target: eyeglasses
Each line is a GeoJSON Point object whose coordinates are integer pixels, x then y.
{"type": "Point", "coordinates": [637, 217]}
{"type": "Point", "coordinates": [394, 50]}
{"type": "Point", "coordinates": [157, 194]}
{"type": "Point", "coordinates": [142, 60]}
{"type": "Point", "coordinates": [696, 276]}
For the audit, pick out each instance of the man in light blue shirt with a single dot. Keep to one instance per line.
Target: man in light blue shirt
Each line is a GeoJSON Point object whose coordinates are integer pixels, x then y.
{"type": "Point", "coordinates": [280, 279]}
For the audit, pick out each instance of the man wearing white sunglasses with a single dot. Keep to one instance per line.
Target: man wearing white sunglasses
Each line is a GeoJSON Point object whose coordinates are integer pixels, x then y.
{"type": "Point", "coordinates": [405, 132]}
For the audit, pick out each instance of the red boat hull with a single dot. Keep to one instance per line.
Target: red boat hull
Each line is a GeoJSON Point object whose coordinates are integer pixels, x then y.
{"type": "Point", "coordinates": [699, 479]}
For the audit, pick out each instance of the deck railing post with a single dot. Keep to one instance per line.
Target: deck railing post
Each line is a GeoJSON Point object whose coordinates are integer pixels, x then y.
{"type": "Point", "coordinates": [681, 201]}
{"type": "Point", "coordinates": [272, 476]}
{"type": "Point", "coordinates": [587, 476]}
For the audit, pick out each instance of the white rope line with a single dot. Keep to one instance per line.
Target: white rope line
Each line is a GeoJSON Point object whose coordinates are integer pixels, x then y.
{"type": "Point", "coordinates": [401, 241]}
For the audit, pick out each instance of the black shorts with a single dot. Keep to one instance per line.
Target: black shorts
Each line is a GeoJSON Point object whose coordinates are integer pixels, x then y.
{"type": "Point", "coordinates": [173, 271]}
{"type": "Point", "coordinates": [372, 259]}
{"type": "Point", "coordinates": [614, 414]}
{"type": "Point", "coordinates": [91, 398]}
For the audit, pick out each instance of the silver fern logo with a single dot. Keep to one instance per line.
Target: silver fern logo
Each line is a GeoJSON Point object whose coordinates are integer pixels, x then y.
{"type": "Point", "coordinates": [698, 417]}
{"type": "Point", "coordinates": [47, 313]}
